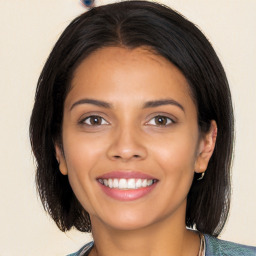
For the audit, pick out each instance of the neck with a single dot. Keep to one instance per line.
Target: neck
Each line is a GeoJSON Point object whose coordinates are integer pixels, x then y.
{"type": "Point", "coordinates": [168, 236]}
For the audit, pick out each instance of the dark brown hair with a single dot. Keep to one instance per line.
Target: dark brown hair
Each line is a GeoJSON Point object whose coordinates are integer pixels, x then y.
{"type": "Point", "coordinates": [133, 24]}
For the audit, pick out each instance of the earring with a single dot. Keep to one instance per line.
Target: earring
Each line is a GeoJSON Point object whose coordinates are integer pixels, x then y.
{"type": "Point", "coordinates": [202, 176]}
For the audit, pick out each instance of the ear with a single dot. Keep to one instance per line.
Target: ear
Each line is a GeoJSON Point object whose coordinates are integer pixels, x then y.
{"type": "Point", "coordinates": [61, 159]}
{"type": "Point", "coordinates": [206, 148]}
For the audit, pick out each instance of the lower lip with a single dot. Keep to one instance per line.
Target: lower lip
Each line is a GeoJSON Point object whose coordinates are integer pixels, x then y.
{"type": "Point", "coordinates": [129, 194]}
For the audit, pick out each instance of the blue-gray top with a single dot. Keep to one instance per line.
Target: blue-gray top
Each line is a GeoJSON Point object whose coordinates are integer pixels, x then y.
{"type": "Point", "coordinates": [214, 247]}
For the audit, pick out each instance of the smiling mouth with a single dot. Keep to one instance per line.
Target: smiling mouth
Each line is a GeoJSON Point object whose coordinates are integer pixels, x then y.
{"type": "Point", "coordinates": [127, 184]}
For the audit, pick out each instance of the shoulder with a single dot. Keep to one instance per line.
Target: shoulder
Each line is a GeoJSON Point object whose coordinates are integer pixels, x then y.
{"type": "Point", "coordinates": [217, 247]}
{"type": "Point", "coordinates": [84, 251]}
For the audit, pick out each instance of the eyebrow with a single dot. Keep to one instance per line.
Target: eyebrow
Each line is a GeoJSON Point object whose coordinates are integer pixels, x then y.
{"type": "Point", "coordinates": [157, 103]}
{"type": "Point", "coordinates": [98, 103]}
{"type": "Point", "coordinates": [148, 104]}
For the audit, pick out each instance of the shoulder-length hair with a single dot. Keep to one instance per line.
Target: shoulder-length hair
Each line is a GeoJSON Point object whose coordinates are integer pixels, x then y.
{"type": "Point", "coordinates": [132, 24]}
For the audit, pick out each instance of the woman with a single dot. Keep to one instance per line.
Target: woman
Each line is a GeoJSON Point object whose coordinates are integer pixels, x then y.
{"type": "Point", "coordinates": [132, 130]}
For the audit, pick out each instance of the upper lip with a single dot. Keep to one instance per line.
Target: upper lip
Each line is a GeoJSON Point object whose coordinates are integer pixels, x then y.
{"type": "Point", "coordinates": [127, 174]}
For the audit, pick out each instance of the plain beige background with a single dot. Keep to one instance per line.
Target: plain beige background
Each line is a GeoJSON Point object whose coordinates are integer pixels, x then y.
{"type": "Point", "coordinates": [29, 28]}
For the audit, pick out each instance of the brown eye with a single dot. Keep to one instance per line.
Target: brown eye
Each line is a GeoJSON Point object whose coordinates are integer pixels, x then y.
{"type": "Point", "coordinates": [160, 121]}
{"type": "Point", "coordinates": [94, 120]}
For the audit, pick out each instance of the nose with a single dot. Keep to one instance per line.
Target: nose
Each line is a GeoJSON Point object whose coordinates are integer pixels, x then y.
{"type": "Point", "coordinates": [126, 145]}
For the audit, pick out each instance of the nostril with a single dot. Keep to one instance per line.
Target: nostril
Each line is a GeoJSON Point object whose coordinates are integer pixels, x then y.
{"type": "Point", "coordinates": [119, 157]}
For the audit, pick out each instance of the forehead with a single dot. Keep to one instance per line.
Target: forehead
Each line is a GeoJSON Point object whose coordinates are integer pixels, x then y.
{"type": "Point", "coordinates": [123, 58]}
{"type": "Point", "coordinates": [120, 71]}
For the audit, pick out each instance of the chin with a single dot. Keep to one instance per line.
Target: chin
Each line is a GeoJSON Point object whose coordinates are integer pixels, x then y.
{"type": "Point", "coordinates": [125, 221]}
{"type": "Point", "coordinates": [128, 225]}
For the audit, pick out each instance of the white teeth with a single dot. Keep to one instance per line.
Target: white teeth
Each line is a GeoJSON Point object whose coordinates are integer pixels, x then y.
{"type": "Point", "coordinates": [124, 184]}
{"type": "Point", "coordinates": [115, 183]}
{"type": "Point", "coordinates": [131, 183]}
{"type": "Point", "coordinates": [138, 183]}
{"type": "Point", "coordinates": [144, 183]}
{"type": "Point", "coordinates": [110, 183]}
{"type": "Point", "coordinates": [149, 182]}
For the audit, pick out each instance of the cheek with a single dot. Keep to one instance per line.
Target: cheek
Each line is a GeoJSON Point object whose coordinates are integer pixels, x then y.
{"type": "Point", "coordinates": [176, 159]}
{"type": "Point", "coordinates": [82, 152]}
{"type": "Point", "coordinates": [176, 154]}
{"type": "Point", "coordinates": [173, 157]}
{"type": "Point", "coordinates": [82, 159]}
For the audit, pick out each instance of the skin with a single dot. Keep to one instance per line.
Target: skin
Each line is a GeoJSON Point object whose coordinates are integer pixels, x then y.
{"type": "Point", "coordinates": [127, 136]}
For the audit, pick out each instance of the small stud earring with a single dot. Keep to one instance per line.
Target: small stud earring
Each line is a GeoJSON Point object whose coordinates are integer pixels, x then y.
{"type": "Point", "coordinates": [202, 176]}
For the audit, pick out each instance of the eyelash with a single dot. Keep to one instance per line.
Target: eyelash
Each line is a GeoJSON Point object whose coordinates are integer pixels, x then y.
{"type": "Point", "coordinates": [93, 117]}
{"type": "Point", "coordinates": [164, 120]}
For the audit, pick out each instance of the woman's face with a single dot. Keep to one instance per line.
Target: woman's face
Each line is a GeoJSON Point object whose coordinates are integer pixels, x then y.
{"type": "Point", "coordinates": [131, 142]}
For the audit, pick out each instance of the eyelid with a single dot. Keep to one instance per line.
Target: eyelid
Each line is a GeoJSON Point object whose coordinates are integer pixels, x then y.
{"type": "Point", "coordinates": [89, 115]}
{"type": "Point", "coordinates": [164, 115]}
